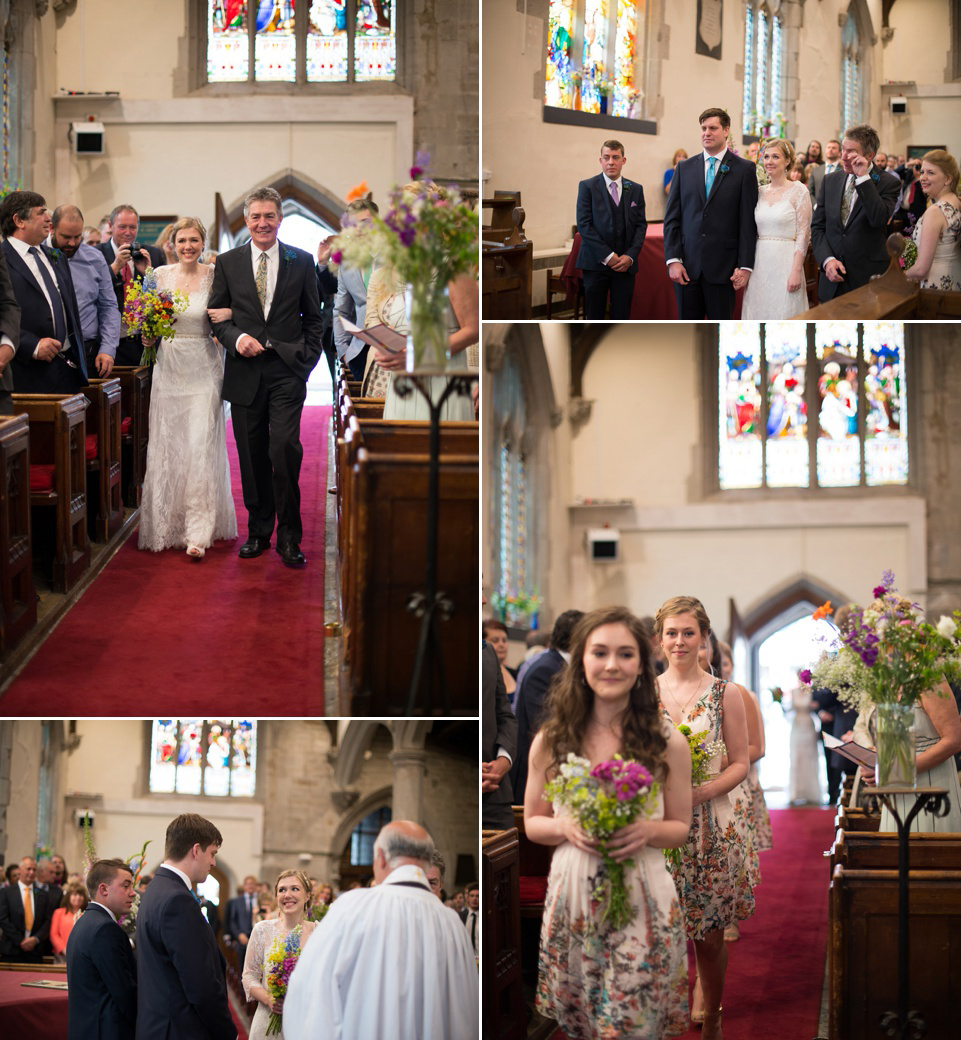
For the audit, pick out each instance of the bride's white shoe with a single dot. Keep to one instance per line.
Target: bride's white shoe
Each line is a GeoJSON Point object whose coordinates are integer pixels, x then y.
{"type": "Point", "coordinates": [195, 552]}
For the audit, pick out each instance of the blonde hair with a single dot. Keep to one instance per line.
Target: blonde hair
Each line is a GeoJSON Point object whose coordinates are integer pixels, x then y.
{"type": "Point", "coordinates": [784, 147]}
{"type": "Point", "coordinates": [302, 878]}
{"type": "Point", "coordinates": [188, 222]}
{"type": "Point", "coordinates": [164, 235]}
{"type": "Point", "coordinates": [682, 605]}
{"type": "Point", "coordinates": [946, 163]}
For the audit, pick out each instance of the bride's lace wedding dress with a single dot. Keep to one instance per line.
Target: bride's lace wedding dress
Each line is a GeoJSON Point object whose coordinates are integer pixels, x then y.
{"type": "Point", "coordinates": [783, 217]}
{"type": "Point", "coordinates": [186, 492]}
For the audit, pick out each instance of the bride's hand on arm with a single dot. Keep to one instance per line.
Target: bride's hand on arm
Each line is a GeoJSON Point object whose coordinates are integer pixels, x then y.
{"type": "Point", "coordinates": [540, 823]}
{"type": "Point", "coordinates": [218, 314]}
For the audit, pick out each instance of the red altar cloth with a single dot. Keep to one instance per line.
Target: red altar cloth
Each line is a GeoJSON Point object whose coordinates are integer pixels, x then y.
{"type": "Point", "coordinates": [654, 298]}
{"type": "Point", "coordinates": [29, 1011]}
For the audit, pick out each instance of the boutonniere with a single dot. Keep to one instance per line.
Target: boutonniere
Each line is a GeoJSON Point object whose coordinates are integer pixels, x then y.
{"type": "Point", "coordinates": [875, 176]}
{"type": "Point", "coordinates": [627, 183]}
{"type": "Point", "coordinates": [289, 255]}
{"type": "Point", "coordinates": [54, 254]}
{"type": "Point", "coordinates": [725, 168]}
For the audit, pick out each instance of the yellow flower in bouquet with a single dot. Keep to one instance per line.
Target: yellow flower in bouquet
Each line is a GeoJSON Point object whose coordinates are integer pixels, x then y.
{"type": "Point", "coordinates": [152, 311]}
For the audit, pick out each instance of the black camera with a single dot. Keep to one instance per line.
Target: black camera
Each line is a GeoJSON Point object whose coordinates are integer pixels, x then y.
{"type": "Point", "coordinates": [135, 248]}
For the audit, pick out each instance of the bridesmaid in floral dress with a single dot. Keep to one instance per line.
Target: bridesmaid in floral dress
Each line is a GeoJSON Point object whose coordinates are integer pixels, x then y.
{"type": "Point", "coordinates": [936, 234]}
{"type": "Point", "coordinates": [712, 879]}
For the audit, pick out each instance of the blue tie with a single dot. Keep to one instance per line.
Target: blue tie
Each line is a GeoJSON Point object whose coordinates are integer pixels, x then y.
{"type": "Point", "coordinates": [710, 174]}
{"type": "Point", "coordinates": [59, 321]}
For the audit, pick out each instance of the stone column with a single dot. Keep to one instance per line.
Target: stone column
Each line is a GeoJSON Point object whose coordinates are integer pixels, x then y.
{"type": "Point", "coordinates": [409, 768]}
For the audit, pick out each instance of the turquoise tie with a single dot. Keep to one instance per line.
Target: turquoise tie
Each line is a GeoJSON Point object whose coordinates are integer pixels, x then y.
{"type": "Point", "coordinates": [710, 174]}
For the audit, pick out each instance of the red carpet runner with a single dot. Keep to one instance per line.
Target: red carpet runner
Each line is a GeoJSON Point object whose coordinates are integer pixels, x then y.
{"type": "Point", "coordinates": [776, 969]}
{"type": "Point", "coordinates": [222, 636]}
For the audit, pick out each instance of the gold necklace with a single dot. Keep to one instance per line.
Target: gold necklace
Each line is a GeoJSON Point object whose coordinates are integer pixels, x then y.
{"type": "Point", "coordinates": [670, 690]}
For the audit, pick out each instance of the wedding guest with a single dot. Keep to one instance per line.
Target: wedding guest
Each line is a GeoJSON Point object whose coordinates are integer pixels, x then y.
{"type": "Point", "coordinates": [350, 300]}
{"type": "Point", "coordinates": [753, 151]}
{"type": "Point", "coordinates": [93, 285]}
{"type": "Point", "coordinates": [470, 915]}
{"type": "Point", "coordinates": [669, 174]}
{"type": "Point", "coordinates": [495, 632]}
{"type": "Point", "coordinates": [91, 235]}
{"type": "Point", "coordinates": [239, 920]}
{"type": "Point", "coordinates": [912, 201]}
{"type": "Point", "coordinates": [101, 970]}
{"type": "Point", "coordinates": [498, 746]}
{"type": "Point", "coordinates": [60, 873]}
{"type": "Point", "coordinates": [612, 226]}
{"type": "Point", "coordinates": [605, 704]}
{"type": "Point", "coordinates": [938, 265]}
{"type": "Point", "coordinates": [832, 160]}
{"type": "Point", "coordinates": [294, 897]}
{"type": "Point", "coordinates": [436, 873]}
{"type": "Point", "coordinates": [25, 915]}
{"type": "Point", "coordinates": [327, 288]}
{"type": "Point", "coordinates": [813, 153]}
{"type": "Point", "coordinates": [165, 244]}
{"type": "Point", "coordinates": [881, 159]}
{"type": "Point", "coordinates": [805, 778]}
{"type": "Point", "coordinates": [712, 880]}
{"type": "Point", "coordinates": [72, 905]}
{"type": "Point", "coordinates": [850, 225]}
{"type": "Point", "coordinates": [353, 961]}
{"type": "Point", "coordinates": [709, 230]}
{"type": "Point", "coordinates": [796, 172]}
{"type": "Point", "coordinates": [11, 874]}
{"type": "Point", "coordinates": [783, 218]}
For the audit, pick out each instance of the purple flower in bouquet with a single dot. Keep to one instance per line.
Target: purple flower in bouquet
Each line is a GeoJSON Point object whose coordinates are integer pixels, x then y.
{"type": "Point", "coordinates": [805, 676]}
{"type": "Point", "coordinates": [421, 165]}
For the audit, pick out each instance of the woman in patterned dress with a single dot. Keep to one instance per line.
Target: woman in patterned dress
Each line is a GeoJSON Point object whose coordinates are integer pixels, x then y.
{"type": "Point", "coordinates": [936, 234]}
{"type": "Point", "coordinates": [595, 980]}
{"type": "Point", "coordinates": [712, 880]}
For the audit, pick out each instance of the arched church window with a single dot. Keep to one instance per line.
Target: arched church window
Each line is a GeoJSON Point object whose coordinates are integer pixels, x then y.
{"type": "Point", "coordinates": [516, 579]}
{"type": "Point", "coordinates": [363, 836]}
{"type": "Point", "coordinates": [850, 72]}
{"type": "Point", "coordinates": [315, 41]}
{"type": "Point", "coordinates": [595, 53]}
{"type": "Point", "coordinates": [812, 406]}
{"type": "Point", "coordinates": [212, 757]}
{"type": "Point", "coordinates": [763, 108]}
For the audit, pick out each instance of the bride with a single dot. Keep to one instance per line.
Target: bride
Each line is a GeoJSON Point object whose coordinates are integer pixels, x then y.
{"type": "Point", "coordinates": [783, 217]}
{"type": "Point", "coordinates": [293, 892]}
{"type": "Point", "coordinates": [186, 492]}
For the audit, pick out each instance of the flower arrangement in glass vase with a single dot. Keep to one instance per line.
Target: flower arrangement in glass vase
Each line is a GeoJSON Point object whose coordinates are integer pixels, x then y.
{"type": "Point", "coordinates": [427, 236]}
{"type": "Point", "coordinates": [517, 608]}
{"type": "Point", "coordinates": [888, 657]}
{"type": "Point", "coordinates": [603, 800]}
{"type": "Point", "coordinates": [152, 311]}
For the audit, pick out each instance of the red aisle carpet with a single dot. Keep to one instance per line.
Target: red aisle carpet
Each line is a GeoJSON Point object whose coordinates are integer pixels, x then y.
{"type": "Point", "coordinates": [222, 636]}
{"type": "Point", "coordinates": [776, 969]}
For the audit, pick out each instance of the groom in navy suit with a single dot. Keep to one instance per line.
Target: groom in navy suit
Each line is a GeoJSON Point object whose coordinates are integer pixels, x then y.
{"type": "Point", "coordinates": [611, 222]}
{"type": "Point", "coordinates": [709, 230]}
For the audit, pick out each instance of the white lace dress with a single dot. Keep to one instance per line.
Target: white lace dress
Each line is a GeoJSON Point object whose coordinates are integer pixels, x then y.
{"type": "Point", "coordinates": [783, 217]}
{"type": "Point", "coordinates": [945, 270]}
{"type": "Point", "coordinates": [186, 491]}
{"type": "Point", "coordinates": [262, 938]}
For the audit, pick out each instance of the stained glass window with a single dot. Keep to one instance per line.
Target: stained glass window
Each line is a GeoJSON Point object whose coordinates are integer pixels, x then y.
{"type": "Point", "coordinates": [763, 71]}
{"type": "Point", "coordinates": [593, 53]}
{"type": "Point", "coordinates": [850, 73]}
{"type": "Point", "coordinates": [213, 757]}
{"type": "Point", "coordinates": [274, 29]}
{"type": "Point", "coordinates": [364, 835]}
{"type": "Point", "coordinates": [834, 393]}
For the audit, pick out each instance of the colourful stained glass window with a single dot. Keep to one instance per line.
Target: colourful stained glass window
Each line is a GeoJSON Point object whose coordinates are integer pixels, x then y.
{"type": "Point", "coordinates": [228, 47]}
{"type": "Point", "coordinates": [594, 68]}
{"type": "Point", "coordinates": [327, 41]}
{"type": "Point", "coordinates": [625, 58]}
{"type": "Point", "coordinates": [275, 45]}
{"type": "Point", "coordinates": [739, 427]}
{"type": "Point", "coordinates": [839, 443]}
{"type": "Point", "coordinates": [787, 455]}
{"type": "Point", "coordinates": [886, 425]}
{"type": "Point", "coordinates": [763, 70]}
{"type": "Point", "coordinates": [375, 44]}
{"type": "Point", "coordinates": [850, 72]}
{"type": "Point", "coordinates": [215, 757]}
{"type": "Point", "coordinates": [562, 90]}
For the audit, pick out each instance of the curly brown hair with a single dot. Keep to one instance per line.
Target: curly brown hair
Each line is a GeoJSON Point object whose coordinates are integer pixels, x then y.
{"type": "Point", "coordinates": [571, 700]}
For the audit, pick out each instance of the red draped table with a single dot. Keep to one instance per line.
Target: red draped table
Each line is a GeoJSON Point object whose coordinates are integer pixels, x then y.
{"type": "Point", "coordinates": [27, 1011]}
{"type": "Point", "coordinates": [654, 297]}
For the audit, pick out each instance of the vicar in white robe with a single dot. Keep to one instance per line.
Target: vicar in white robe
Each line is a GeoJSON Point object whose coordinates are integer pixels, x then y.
{"type": "Point", "coordinates": [389, 961]}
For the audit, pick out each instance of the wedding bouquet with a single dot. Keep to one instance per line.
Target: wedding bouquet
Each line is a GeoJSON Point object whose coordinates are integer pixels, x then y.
{"type": "Point", "coordinates": [281, 961]}
{"type": "Point", "coordinates": [702, 753]}
{"type": "Point", "coordinates": [151, 311]}
{"type": "Point", "coordinates": [909, 255]}
{"type": "Point", "coordinates": [603, 800]}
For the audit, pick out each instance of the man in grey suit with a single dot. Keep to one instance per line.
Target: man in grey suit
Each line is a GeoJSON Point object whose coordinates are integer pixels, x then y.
{"type": "Point", "coordinates": [101, 970]}
{"type": "Point", "coordinates": [832, 162]}
{"type": "Point", "coordinates": [499, 736]}
{"type": "Point", "coordinates": [351, 299]}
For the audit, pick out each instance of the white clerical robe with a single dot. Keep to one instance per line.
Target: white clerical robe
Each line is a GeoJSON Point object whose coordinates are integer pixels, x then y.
{"type": "Point", "coordinates": [390, 961]}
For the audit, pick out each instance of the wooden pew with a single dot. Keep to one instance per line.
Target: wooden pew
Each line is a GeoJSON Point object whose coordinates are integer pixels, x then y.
{"type": "Point", "coordinates": [857, 820]}
{"type": "Point", "coordinates": [387, 558]}
{"type": "Point", "coordinates": [135, 406]}
{"type": "Point", "coordinates": [502, 1002]}
{"type": "Point", "coordinates": [863, 850]}
{"type": "Point", "coordinates": [18, 599]}
{"type": "Point", "coordinates": [507, 259]}
{"type": "Point", "coordinates": [57, 439]}
{"type": "Point", "coordinates": [104, 499]}
{"type": "Point", "coordinates": [863, 950]}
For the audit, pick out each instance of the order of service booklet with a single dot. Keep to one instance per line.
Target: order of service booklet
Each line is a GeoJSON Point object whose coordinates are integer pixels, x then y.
{"type": "Point", "coordinates": [849, 749]}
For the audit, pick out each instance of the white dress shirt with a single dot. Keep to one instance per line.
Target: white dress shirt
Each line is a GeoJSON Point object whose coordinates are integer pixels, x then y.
{"type": "Point", "coordinates": [31, 261]}
{"type": "Point", "coordinates": [273, 266]}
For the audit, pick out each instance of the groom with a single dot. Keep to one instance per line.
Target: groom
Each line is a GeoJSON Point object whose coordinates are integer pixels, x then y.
{"type": "Point", "coordinates": [273, 341]}
{"type": "Point", "coordinates": [709, 230]}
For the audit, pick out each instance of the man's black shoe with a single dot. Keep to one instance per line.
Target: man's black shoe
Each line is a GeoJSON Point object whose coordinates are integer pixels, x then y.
{"type": "Point", "coordinates": [254, 546]}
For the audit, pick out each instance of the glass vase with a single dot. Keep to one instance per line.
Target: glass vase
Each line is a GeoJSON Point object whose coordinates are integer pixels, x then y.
{"type": "Point", "coordinates": [426, 305]}
{"type": "Point", "coordinates": [897, 753]}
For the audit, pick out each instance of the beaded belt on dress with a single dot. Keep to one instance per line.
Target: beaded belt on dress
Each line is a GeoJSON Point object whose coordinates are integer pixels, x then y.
{"type": "Point", "coordinates": [774, 238]}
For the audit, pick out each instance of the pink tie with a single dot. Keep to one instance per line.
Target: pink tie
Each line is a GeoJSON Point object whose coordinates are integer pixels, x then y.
{"type": "Point", "coordinates": [614, 192]}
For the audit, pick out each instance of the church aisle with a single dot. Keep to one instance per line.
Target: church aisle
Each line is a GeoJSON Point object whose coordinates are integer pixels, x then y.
{"type": "Point", "coordinates": [222, 636]}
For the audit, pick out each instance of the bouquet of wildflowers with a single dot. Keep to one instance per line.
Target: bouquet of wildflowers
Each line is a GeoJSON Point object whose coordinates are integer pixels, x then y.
{"type": "Point", "coordinates": [703, 751]}
{"type": "Point", "coordinates": [909, 255]}
{"type": "Point", "coordinates": [603, 800]}
{"type": "Point", "coordinates": [281, 961]}
{"type": "Point", "coordinates": [151, 311]}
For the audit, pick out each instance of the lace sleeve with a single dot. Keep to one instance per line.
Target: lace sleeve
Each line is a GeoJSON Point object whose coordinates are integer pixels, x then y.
{"type": "Point", "coordinates": [256, 952]}
{"type": "Point", "coordinates": [162, 274]}
{"type": "Point", "coordinates": [803, 209]}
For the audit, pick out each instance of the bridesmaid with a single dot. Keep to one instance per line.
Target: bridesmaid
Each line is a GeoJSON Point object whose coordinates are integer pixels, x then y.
{"type": "Point", "coordinates": [711, 880]}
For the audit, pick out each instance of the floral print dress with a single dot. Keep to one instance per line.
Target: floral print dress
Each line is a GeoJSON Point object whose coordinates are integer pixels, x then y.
{"type": "Point", "coordinates": [945, 270]}
{"type": "Point", "coordinates": [596, 981]}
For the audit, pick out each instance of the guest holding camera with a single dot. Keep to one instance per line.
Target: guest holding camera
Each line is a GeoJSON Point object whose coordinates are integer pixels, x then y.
{"type": "Point", "coordinates": [913, 201]}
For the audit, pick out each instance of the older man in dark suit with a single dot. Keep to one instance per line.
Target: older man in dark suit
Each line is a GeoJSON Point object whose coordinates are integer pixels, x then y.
{"type": "Point", "coordinates": [499, 739]}
{"type": "Point", "coordinates": [9, 336]}
{"type": "Point", "coordinates": [612, 226]}
{"type": "Point", "coordinates": [101, 970]}
{"type": "Point", "coordinates": [25, 916]}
